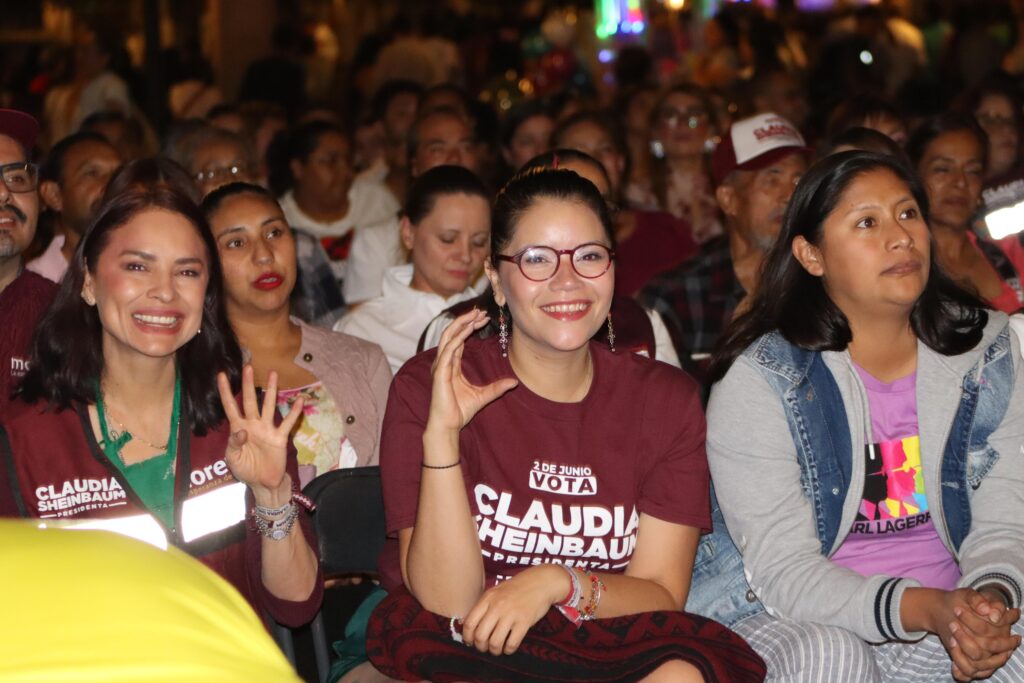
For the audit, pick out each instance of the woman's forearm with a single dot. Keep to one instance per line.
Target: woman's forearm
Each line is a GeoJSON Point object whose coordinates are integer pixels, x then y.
{"type": "Point", "coordinates": [444, 567]}
{"type": "Point", "coordinates": [623, 595]}
{"type": "Point", "coordinates": [289, 566]}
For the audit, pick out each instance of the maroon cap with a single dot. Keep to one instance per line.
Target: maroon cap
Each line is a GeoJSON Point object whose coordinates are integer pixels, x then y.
{"type": "Point", "coordinates": [20, 126]}
{"type": "Point", "coordinates": [755, 143]}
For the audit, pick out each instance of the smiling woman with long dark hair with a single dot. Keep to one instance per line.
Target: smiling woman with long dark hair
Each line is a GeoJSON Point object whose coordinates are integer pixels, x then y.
{"type": "Point", "coordinates": [547, 491]}
{"type": "Point", "coordinates": [130, 399]}
{"type": "Point", "coordinates": [864, 438]}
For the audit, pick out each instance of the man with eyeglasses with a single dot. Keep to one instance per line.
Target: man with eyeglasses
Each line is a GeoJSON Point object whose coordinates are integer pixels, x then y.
{"type": "Point", "coordinates": [755, 168]}
{"type": "Point", "coordinates": [71, 185]}
{"type": "Point", "coordinates": [23, 294]}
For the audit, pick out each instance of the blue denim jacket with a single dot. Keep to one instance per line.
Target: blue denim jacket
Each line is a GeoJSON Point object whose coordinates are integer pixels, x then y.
{"type": "Point", "coordinates": [819, 425]}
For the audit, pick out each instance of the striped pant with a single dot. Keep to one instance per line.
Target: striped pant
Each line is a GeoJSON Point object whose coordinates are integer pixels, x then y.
{"type": "Point", "coordinates": [798, 652]}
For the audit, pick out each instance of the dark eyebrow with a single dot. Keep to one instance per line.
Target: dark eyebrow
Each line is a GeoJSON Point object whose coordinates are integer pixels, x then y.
{"type": "Point", "coordinates": [141, 254]}
{"type": "Point", "coordinates": [237, 228]}
{"type": "Point", "coordinates": [146, 256]}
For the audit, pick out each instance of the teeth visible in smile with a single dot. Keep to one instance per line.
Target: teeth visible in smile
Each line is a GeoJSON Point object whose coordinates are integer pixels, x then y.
{"type": "Point", "coordinates": [566, 308]}
{"type": "Point", "coordinates": [166, 321]}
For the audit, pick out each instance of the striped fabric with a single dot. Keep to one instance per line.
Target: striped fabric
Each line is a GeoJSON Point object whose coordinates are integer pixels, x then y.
{"type": "Point", "coordinates": [812, 653]}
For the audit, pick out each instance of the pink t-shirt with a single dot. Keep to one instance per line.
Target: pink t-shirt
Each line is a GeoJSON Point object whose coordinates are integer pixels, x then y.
{"type": "Point", "coordinates": [558, 482]}
{"type": "Point", "coordinates": [893, 533]}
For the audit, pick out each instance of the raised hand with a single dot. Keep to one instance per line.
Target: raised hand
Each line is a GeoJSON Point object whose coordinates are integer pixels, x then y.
{"type": "Point", "coordinates": [257, 447]}
{"type": "Point", "coordinates": [454, 400]}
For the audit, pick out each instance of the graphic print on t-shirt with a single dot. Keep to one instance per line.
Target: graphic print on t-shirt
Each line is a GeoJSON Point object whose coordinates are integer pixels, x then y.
{"type": "Point", "coordinates": [894, 497]}
{"type": "Point", "coordinates": [553, 528]}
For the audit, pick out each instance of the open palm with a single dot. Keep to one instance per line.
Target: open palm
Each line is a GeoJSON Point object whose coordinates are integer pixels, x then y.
{"type": "Point", "coordinates": [257, 447]}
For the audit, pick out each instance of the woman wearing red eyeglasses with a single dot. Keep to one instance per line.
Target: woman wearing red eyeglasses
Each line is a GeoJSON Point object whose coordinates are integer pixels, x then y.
{"type": "Point", "coordinates": [547, 492]}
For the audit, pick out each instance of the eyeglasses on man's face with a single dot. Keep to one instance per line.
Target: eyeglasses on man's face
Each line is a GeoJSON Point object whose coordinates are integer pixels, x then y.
{"type": "Point", "coordinates": [540, 263]}
{"type": "Point", "coordinates": [20, 177]}
{"type": "Point", "coordinates": [224, 173]}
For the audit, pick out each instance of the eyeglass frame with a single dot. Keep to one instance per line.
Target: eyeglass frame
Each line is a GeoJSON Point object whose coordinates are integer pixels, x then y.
{"type": "Point", "coordinates": [232, 171]}
{"type": "Point", "coordinates": [24, 165]}
{"type": "Point", "coordinates": [517, 259]}
{"type": "Point", "coordinates": [692, 116]}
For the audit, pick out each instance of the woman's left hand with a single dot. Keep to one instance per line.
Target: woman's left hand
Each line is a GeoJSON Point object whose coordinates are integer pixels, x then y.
{"type": "Point", "coordinates": [503, 614]}
{"type": "Point", "coordinates": [257, 447]}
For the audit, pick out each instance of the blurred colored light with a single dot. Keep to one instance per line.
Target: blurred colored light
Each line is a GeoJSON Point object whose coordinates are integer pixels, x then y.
{"type": "Point", "coordinates": [605, 56]}
{"type": "Point", "coordinates": [867, 58]}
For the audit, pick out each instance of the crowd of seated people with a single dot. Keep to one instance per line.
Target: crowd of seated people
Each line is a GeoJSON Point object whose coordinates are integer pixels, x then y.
{"type": "Point", "coordinates": [705, 380]}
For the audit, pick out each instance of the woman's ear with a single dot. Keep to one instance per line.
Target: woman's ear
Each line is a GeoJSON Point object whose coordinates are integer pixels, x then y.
{"type": "Point", "coordinates": [408, 233]}
{"type": "Point", "coordinates": [492, 275]}
{"type": "Point", "coordinates": [88, 293]}
{"type": "Point", "coordinates": [809, 256]}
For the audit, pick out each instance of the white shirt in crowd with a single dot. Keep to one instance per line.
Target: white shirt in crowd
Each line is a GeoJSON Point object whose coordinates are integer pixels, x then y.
{"type": "Point", "coordinates": [396, 319]}
{"type": "Point", "coordinates": [369, 204]}
{"type": "Point", "coordinates": [374, 249]}
{"type": "Point", "coordinates": [51, 264]}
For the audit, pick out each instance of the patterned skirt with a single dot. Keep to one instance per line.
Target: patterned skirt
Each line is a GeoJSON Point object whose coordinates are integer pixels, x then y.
{"type": "Point", "coordinates": [406, 642]}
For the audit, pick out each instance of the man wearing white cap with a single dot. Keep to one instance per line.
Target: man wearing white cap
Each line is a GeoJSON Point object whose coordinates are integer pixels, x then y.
{"type": "Point", "coordinates": [23, 294]}
{"type": "Point", "coordinates": [755, 169]}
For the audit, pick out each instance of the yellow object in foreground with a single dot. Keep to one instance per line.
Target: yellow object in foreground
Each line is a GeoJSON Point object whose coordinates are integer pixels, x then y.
{"type": "Point", "coordinates": [95, 606]}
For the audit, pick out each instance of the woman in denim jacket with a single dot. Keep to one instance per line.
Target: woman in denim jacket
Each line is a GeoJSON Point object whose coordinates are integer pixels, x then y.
{"type": "Point", "coordinates": [866, 441]}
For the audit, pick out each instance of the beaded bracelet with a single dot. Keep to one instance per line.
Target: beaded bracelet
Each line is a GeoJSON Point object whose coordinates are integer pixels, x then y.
{"type": "Point", "coordinates": [456, 636]}
{"type": "Point", "coordinates": [277, 529]}
{"type": "Point", "coordinates": [304, 501]}
{"type": "Point", "coordinates": [596, 587]}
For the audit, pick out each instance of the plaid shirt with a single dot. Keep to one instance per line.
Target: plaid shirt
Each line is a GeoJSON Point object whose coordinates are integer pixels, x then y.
{"type": "Point", "coordinates": [696, 300]}
{"type": "Point", "coordinates": [317, 297]}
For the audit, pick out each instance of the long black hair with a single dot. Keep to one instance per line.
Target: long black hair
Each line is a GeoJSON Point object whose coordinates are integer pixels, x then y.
{"type": "Point", "coordinates": [67, 349]}
{"type": "Point", "coordinates": [945, 317]}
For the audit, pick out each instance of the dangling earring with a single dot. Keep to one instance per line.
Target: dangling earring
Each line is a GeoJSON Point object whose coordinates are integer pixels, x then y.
{"type": "Point", "coordinates": [199, 331]}
{"type": "Point", "coordinates": [611, 333]}
{"type": "Point", "coordinates": [658, 149]}
{"type": "Point", "coordinates": [502, 333]}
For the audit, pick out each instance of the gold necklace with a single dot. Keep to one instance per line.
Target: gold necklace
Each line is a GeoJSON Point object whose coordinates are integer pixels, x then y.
{"type": "Point", "coordinates": [115, 435]}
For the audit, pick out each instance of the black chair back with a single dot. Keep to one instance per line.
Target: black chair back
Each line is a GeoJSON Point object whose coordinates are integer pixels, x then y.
{"type": "Point", "coordinates": [349, 519]}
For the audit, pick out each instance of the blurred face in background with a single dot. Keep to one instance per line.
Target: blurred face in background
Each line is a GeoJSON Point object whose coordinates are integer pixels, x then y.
{"type": "Point", "coordinates": [88, 166]}
{"type": "Point", "coordinates": [218, 163]}
{"type": "Point", "coordinates": [448, 245]}
{"type": "Point", "coordinates": [995, 114]}
{"type": "Point", "coordinates": [683, 125]}
{"type": "Point", "coordinates": [444, 139]}
{"type": "Point", "coordinates": [593, 139]}
{"type": "Point", "coordinates": [531, 137]}
{"type": "Point", "coordinates": [326, 176]}
{"type": "Point", "coordinates": [952, 170]}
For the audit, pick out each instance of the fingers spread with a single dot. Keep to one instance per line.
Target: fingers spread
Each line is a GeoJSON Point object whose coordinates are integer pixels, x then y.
{"type": "Point", "coordinates": [249, 392]}
{"type": "Point", "coordinates": [270, 397]}
{"type": "Point", "coordinates": [227, 399]}
{"type": "Point", "coordinates": [294, 413]}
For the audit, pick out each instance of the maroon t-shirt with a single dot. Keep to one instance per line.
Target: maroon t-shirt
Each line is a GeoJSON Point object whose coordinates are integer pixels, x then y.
{"type": "Point", "coordinates": [21, 304]}
{"type": "Point", "coordinates": [558, 481]}
{"type": "Point", "coordinates": [659, 243]}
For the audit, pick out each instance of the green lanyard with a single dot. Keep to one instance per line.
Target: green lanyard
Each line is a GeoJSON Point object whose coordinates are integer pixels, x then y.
{"type": "Point", "coordinates": [153, 478]}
